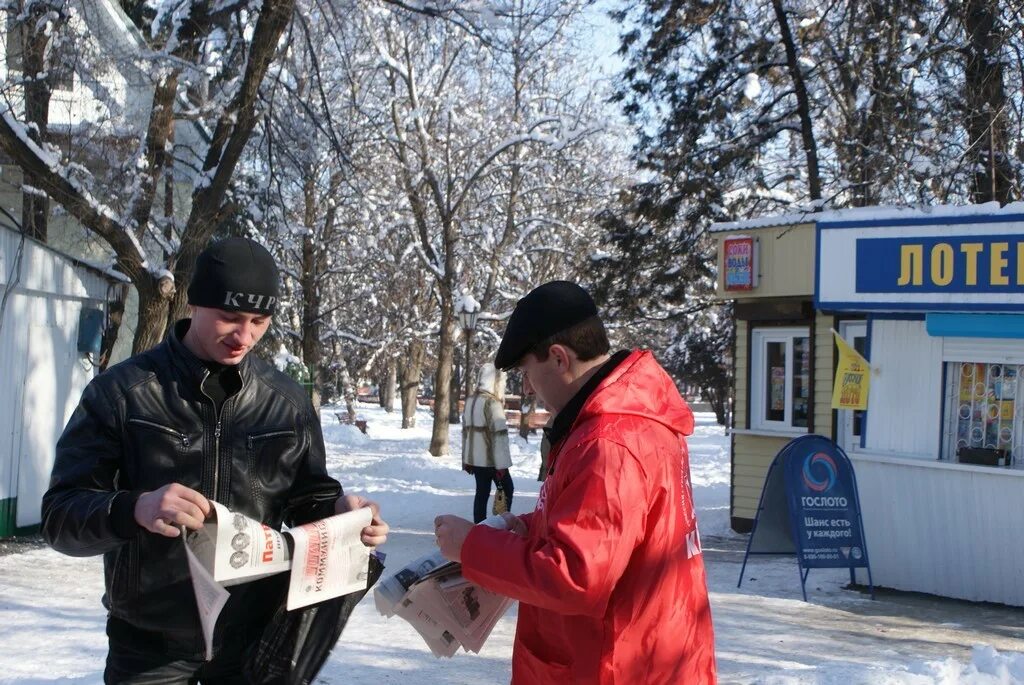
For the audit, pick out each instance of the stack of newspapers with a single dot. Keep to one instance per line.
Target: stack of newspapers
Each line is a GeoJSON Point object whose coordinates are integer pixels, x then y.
{"type": "Point", "coordinates": [447, 610]}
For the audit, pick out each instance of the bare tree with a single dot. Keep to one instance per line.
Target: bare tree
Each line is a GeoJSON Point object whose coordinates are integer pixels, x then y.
{"type": "Point", "coordinates": [177, 72]}
{"type": "Point", "coordinates": [441, 158]}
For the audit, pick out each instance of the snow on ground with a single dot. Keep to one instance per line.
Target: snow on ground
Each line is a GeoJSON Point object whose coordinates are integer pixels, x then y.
{"type": "Point", "coordinates": [51, 621]}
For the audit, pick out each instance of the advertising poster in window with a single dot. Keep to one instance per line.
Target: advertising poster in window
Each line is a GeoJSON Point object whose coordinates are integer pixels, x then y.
{"type": "Point", "coordinates": [777, 390]}
{"type": "Point", "coordinates": [985, 416]}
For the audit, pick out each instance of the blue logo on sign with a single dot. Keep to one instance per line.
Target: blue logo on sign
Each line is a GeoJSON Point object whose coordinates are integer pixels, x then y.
{"type": "Point", "coordinates": [819, 472]}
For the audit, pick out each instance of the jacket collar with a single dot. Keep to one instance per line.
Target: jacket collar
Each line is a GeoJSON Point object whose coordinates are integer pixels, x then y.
{"type": "Point", "coordinates": [191, 365]}
{"type": "Point", "coordinates": [562, 424]}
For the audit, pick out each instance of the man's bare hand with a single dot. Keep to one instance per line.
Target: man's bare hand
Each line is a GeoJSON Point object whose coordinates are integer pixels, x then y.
{"type": "Point", "coordinates": [450, 532]}
{"type": "Point", "coordinates": [514, 523]}
{"type": "Point", "coordinates": [163, 511]}
{"type": "Point", "coordinates": [376, 533]}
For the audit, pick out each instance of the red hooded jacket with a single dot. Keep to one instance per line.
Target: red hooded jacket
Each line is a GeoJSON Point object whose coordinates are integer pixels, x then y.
{"type": "Point", "coordinates": [610, 577]}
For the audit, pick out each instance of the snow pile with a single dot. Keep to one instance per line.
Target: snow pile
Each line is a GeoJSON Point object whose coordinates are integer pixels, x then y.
{"type": "Point", "coordinates": [986, 667]}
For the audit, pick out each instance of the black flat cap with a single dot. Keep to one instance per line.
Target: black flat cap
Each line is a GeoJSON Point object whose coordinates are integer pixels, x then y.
{"type": "Point", "coordinates": [547, 309]}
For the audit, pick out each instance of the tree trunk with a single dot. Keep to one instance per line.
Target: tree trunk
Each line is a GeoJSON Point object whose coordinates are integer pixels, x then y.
{"type": "Point", "coordinates": [154, 297]}
{"type": "Point", "coordinates": [802, 100]}
{"type": "Point", "coordinates": [443, 376]}
{"type": "Point", "coordinates": [115, 316]}
{"type": "Point", "coordinates": [717, 401]}
{"type": "Point", "coordinates": [311, 351]}
{"type": "Point", "coordinates": [230, 136]}
{"type": "Point", "coordinates": [411, 382]}
{"type": "Point", "coordinates": [169, 191]}
{"type": "Point", "coordinates": [387, 394]}
{"type": "Point", "coordinates": [348, 391]}
{"type": "Point", "coordinates": [446, 343]}
{"type": "Point", "coordinates": [35, 204]}
{"type": "Point", "coordinates": [985, 101]}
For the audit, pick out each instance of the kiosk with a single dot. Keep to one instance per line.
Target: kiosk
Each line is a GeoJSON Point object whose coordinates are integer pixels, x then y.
{"type": "Point", "coordinates": [934, 299]}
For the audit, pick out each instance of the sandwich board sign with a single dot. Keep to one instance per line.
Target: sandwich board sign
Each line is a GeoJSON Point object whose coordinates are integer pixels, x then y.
{"type": "Point", "coordinates": [809, 507]}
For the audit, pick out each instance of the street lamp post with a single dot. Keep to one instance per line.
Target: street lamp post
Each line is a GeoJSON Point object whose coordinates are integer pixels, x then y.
{"type": "Point", "coordinates": [467, 309]}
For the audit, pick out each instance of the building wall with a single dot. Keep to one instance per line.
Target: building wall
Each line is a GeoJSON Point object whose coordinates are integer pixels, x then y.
{"type": "Point", "coordinates": [905, 401]}
{"type": "Point", "coordinates": [945, 529]}
{"type": "Point", "coordinates": [741, 366]}
{"type": "Point", "coordinates": [10, 194]}
{"type": "Point", "coordinates": [751, 457]}
{"type": "Point", "coordinates": [43, 373]}
{"type": "Point", "coordinates": [117, 91]}
{"type": "Point", "coordinates": [951, 538]}
{"type": "Point", "coordinates": [824, 355]}
{"type": "Point", "coordinates": [785, 261]}
{"type": "Point", "coordinates": [785, 266]}
{"type": "Point", "coordinates": [66, 235]}
{"type": "Point", "coordinates": [753, 454]}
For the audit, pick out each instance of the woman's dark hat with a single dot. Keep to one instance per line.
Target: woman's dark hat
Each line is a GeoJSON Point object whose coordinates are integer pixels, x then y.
{"type": "Point", "coordinates": [547, 309]}
{"type": "Point", "coordinates": [237, 275]}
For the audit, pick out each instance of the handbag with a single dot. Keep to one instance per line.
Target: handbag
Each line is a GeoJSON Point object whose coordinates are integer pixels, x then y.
{"type": "Point", "coordinates": [295, 644]}
{"type": "Point", "coordinates": [500, 503]}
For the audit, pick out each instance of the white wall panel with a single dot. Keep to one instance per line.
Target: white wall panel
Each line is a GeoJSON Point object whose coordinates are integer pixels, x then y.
{"type": "Point", "coordinates": [13, 364]}
{"type": "Point", "coordinates": [39, 433]}
{"type": "Point", "coordinates": [944, 529]}
{"type": "Point", "coordinates": [41, 373]}
{"type": "Point", "coordinates": [905, 399]}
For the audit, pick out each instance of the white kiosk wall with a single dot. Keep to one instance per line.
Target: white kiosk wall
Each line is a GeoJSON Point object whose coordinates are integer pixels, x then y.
{"type": "Point", "coordinates": [905, 402]}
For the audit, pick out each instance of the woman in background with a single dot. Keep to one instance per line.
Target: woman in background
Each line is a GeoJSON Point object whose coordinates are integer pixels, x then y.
{"type": "Point", "coordinates": [485, 452]}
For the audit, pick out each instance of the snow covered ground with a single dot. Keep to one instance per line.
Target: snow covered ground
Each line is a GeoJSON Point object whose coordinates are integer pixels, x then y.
{"type": "Point", "coordinates": [51, 621]}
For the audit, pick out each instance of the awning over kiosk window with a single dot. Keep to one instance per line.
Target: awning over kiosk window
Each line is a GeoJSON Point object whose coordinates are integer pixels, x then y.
{"type": "Point", "coordinates": [975, 325]}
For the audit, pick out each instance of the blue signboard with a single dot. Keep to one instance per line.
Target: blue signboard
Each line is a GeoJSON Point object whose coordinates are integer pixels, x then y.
{"type": "Point", "coordinates": [943, 264]}
{"type": "Point", "coordinates": [809, 507]}
{"type": "Point", "coordinates": [931, 263]}
{"type": "Point", "coordinates": [823, 505]}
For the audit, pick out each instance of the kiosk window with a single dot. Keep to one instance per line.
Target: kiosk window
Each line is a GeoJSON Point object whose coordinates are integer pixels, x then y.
{"type": "Point", "coordinates": [780, 374]}
{"type": "Point", "coordinates": [983, 415]}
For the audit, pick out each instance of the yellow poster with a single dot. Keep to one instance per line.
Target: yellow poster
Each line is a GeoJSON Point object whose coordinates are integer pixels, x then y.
{"type": "Point", "coordinates": [853, 376]}
{"type": "Point", "coordinates": [1006, 410]}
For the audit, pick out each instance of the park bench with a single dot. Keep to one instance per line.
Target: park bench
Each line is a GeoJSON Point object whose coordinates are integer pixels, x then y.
{"type": "Point", "coordinates": [344, 419]}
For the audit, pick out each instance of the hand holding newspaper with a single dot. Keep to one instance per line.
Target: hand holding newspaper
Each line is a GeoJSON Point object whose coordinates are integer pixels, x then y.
{"type": "Point", "coordinates": [447, 610]}
{"type": "Point", "coordinates": [326, 558]}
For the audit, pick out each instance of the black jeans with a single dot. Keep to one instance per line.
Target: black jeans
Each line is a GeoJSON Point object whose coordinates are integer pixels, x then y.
{"type": "Point", "coordinates": [140, 657]}
{"type": "Point", "coordinates": [484, 477]}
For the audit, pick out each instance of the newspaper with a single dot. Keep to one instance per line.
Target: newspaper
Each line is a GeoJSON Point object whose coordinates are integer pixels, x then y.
{"type": "Point", "coordinates": [447, 610]}
{"type": "Point", "coordinates": [326, 558]}
{"type": "Point", "coordinates": [330, 559]}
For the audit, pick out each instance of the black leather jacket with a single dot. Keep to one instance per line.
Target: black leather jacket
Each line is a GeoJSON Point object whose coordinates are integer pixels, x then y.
{"type": "Point", "coordinates": [145, 423]}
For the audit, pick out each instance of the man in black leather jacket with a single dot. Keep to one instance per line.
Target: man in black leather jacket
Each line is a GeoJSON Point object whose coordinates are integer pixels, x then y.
{"type": "Point", "coordinates": [157, 437]}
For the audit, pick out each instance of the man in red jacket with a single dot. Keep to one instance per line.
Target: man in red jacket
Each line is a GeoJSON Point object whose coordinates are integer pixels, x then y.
{"type": "Point", "coordinates": [608, 569]}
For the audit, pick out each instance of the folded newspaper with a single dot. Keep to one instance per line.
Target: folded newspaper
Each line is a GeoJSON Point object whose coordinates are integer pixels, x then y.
{"type": "Point", "coordinates": [326, 558]}
{"type": "Point", "coordinates": [447, 610]}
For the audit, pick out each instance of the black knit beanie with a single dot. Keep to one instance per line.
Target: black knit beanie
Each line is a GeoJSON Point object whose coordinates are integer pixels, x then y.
{"type": "Point", "coordinates": [235, 274]}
